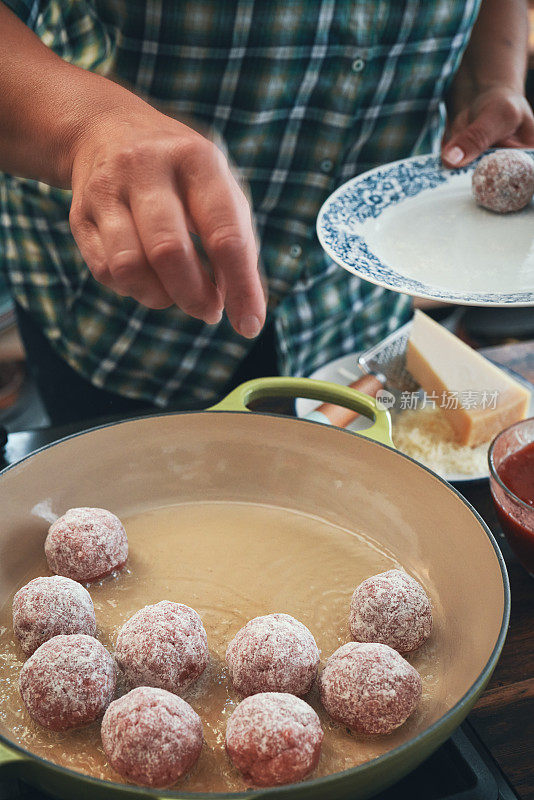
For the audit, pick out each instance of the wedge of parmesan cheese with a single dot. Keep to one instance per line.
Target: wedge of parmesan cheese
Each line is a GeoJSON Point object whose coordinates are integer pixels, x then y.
{"type": "Point", "coordinates": [478, 398]}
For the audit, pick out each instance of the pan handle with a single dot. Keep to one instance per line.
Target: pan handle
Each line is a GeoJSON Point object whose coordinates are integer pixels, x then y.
{"type": "Point", "coordinates": [10, 759]}
{"type": "Point", "coordinates": [262, 388]}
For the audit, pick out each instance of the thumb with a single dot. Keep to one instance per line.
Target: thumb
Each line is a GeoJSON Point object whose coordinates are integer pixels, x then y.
{"type": "Point", "coordinates": [487, 129]}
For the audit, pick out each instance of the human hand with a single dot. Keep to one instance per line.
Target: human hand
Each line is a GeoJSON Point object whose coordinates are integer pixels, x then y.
{"type": "Point", "coordinates": [498, 116]}
{"type": "Point", "coordinates": [141, 182]}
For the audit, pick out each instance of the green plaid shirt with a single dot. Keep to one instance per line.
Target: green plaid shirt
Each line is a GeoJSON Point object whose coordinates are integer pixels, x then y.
{"type": "Point", "coordinates": [304, 95]}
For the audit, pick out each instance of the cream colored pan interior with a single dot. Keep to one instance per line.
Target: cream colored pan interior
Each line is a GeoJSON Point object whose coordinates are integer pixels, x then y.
{"type": "Point", "coordinates": [241, 514]}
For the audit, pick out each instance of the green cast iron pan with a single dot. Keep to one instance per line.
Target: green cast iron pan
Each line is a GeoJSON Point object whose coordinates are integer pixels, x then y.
{"type": "Point", "coordinates": [358, 481]}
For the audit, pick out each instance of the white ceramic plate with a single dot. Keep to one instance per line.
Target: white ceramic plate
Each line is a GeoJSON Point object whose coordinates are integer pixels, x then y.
{"type": "Point", "coordinates": [339, 371]}
{"type": "Point", "coordinates": [414, 227]}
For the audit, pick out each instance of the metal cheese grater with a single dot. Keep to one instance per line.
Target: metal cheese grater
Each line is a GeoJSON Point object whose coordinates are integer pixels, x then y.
{"type": "Point", "coordinates": [387, 360]}
{"type": "Point", "coordinates": [385, 377]}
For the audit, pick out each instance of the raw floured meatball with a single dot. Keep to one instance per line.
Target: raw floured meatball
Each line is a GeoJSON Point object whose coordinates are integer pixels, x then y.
{"type": "Point", "coordinates": [48, 607]}
{"type": "Point", "coordinates": [274, 653]}
{"type": "Point", "coordinates": [274, 738]}
{"type": "Point", "coordinates": [391, 608]}
{"type": "Point", "coordinates": [370, 688]}
{"type": "Point", "coordinates": [151, 737]}
{"type": "Point", "coordinates": [69, 681]}
{"type": "Point", "coordinates": [86, 544]}
{"type": "Point", "coordinates": [163, 645]}
{"type": "Point", "coordinates": [503, 181]}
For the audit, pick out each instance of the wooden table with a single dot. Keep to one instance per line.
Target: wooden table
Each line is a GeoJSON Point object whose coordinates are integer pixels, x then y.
{"type": "Point", "coordinates": [504, 714]}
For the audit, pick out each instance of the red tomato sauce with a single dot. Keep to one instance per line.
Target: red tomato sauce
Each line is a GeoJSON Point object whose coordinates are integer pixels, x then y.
{"type": "Point", "coordinates": [517, 473]}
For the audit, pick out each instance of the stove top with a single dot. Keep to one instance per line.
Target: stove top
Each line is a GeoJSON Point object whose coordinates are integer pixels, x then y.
{"type": "Point", "coordinates": [462, 768]}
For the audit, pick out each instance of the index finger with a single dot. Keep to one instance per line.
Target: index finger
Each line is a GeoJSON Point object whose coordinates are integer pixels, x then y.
{"type": "Point", "coordinates": [221, 215]}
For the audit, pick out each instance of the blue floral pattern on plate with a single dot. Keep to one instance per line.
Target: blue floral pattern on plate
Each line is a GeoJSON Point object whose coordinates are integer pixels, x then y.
{"type": "Point", "coordinates": [368, 195]}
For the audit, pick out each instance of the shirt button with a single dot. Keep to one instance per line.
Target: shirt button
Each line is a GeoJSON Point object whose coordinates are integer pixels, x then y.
{"type": "Point", "coordinates": [358, 64]}
{"type": "Point", "coordinates": [295, 251]}
{"type": "Point", "coordinates": [326, 165]}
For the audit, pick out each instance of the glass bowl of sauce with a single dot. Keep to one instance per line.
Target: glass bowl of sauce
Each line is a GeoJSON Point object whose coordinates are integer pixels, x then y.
{"type": "Point", "coordinates": [511, 463]}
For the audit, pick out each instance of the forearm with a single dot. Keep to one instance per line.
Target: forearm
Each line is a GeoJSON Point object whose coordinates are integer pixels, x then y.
{"type": "Point", "coordinates": [46, 104]}
{"type": "Point", "coordinates": [498, 48]}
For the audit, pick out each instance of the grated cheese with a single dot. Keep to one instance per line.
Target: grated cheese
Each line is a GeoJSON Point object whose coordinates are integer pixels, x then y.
{"type": "Point", "coordinates": [426, 435]}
